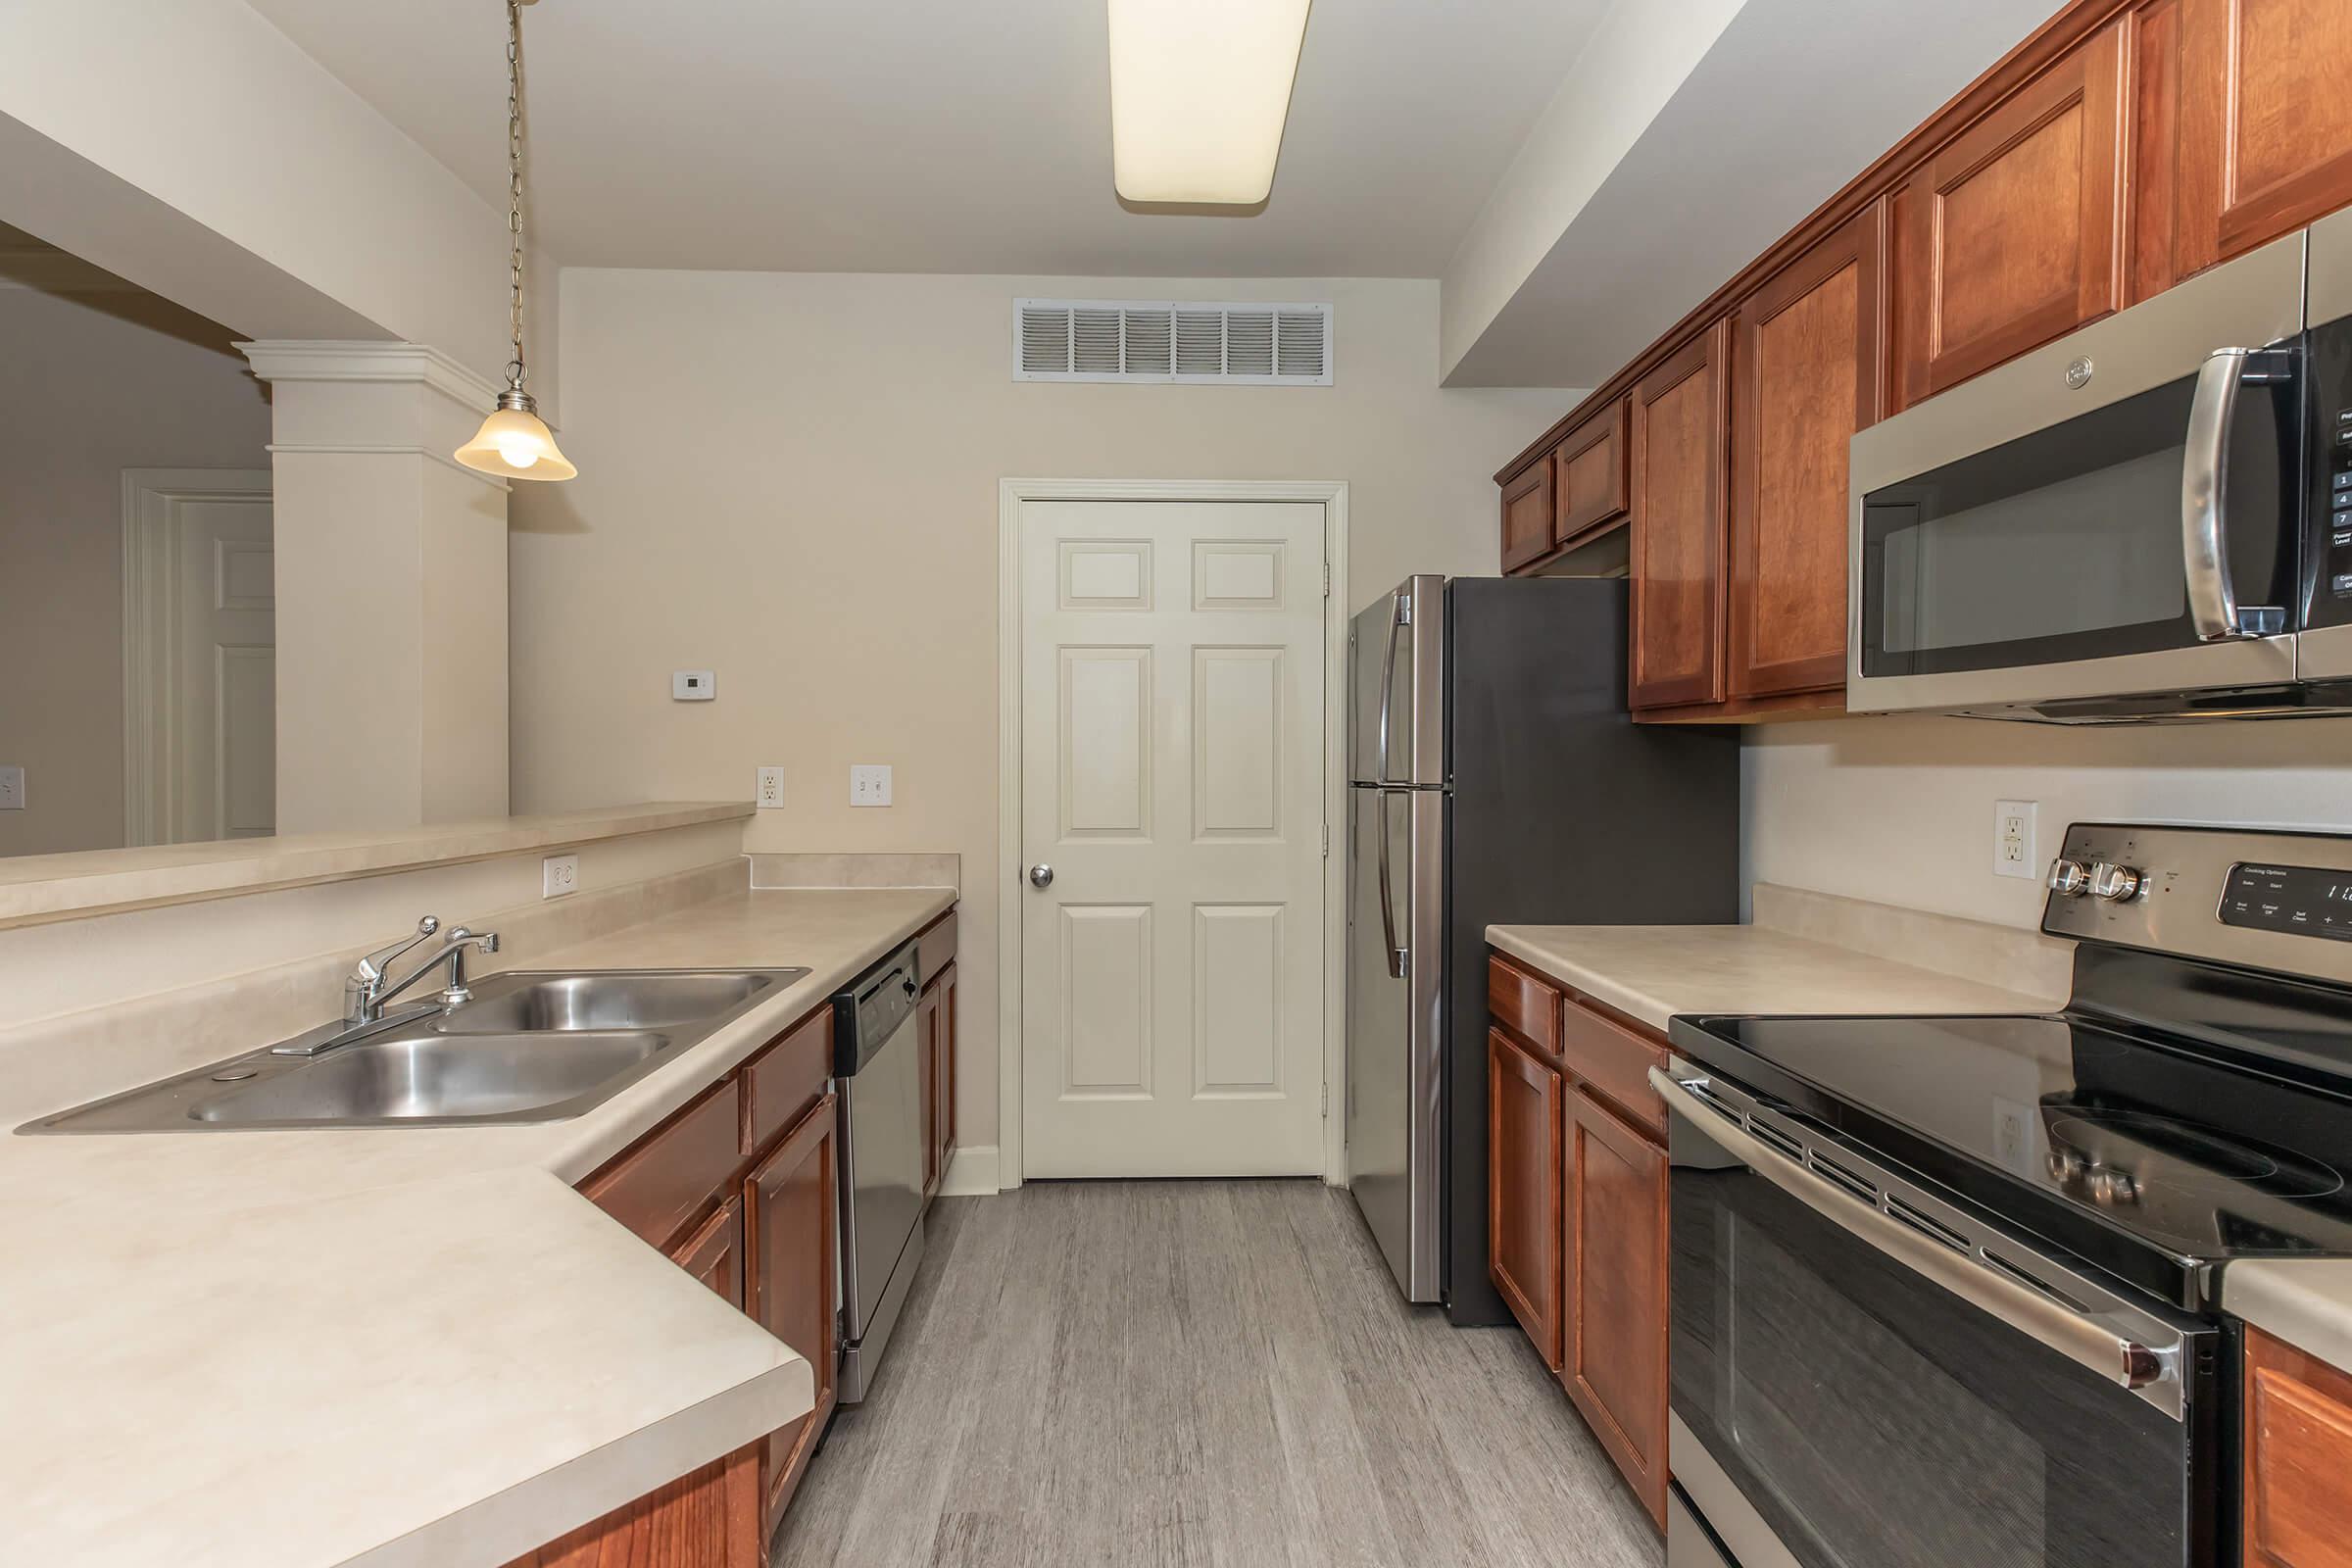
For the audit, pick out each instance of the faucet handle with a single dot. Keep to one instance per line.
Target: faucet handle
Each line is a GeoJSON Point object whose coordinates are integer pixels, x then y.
{"type": "Point", "coordinates": [376, 964]}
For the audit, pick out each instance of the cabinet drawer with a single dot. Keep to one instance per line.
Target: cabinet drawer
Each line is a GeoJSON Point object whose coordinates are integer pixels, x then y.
{"type": "Point", "coordinates": [935, 948]}
{"type": "Point", "coordinates": [1615, 1061]}
{"type": "Point", "coordinates": [783, 1080]}
{"type": "Point", "coordinates": [675, 1173]}
{"type": "Point", "coordinates": [2298, 1448]}
{"type": "Point", "coordinates": [1523, 1003]}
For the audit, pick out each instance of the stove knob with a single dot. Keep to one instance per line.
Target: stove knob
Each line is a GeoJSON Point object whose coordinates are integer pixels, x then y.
{"type": "Point", "coordinates": [2116, 883]}
{"type": "Point", "coordinates": [2069, 879]}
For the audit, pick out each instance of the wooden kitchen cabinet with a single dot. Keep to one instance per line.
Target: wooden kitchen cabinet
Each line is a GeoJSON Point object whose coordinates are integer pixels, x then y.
{"type": "Point", "coordinates": [1527, 507]}
{"type": "Point", "coordinates": [714, 1253]}
{"type": "Point", "coordinates": [1590, 474]}
{"type": "Point", "coordinates": [708, 1518]}
{"type": "Point", "coordinates": [938, 1037]}
{"type": "Point", "coordinates": [1613, 1362]}
{"type": "Point", "coordinates": [2012, 233]}
{"type": "Point", "coordinates": [2264, 129]}
{"type": "Point", "coordinates": [1679, 434]}
{"type": "Point", "coordinates": [2298, 1458]}
{"type": "Point", "coordinates": [790, 1215]}
{"type": "Point", "coordinates": [1523, 1188]}
{"type": "Point", "coordinates": [1809, 360]}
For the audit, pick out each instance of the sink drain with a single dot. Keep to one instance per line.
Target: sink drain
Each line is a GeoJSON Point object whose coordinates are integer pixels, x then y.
{"type": "Point", "coordinates": [234, 1075]}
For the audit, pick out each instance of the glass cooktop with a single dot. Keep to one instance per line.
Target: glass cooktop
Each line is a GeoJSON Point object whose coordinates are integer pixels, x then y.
{"type": "Point", "coordinates": [2152, 1158]}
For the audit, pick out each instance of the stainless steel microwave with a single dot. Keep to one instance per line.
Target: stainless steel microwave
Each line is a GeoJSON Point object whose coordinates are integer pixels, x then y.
{"type": "Point", "coordinates": [2151, 519]}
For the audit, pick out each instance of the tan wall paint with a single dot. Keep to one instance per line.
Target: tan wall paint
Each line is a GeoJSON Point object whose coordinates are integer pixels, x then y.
{"type": "Point", "coordinates": [95, 383]}
{"type": "Point", "coordinates": [1900, 809]}
{"type": "Point", "coordinates": [792, 479]}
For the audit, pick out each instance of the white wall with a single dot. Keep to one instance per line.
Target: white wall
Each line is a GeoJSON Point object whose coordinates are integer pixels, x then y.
{"type": "Point", "coordinates": [95, 383]}
{"type": "Point", "coordinates": [1900, 808]}
{"type": "Point", "coordinates": [792, 479]}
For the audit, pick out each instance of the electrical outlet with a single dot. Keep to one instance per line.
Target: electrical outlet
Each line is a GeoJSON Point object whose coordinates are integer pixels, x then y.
{"type": "Point", "coordinates": [558, 874]}
{"type": "Point", "coordinates": [869, 784]}
{"type": "Point", "coordinates": [692, 685]}
{"type": "Point", "coordinates": [771, 789]}
{"type": "Point", "coordinates": [11, 789]}
{"type": "Point", "coordinates": [2013, 839]}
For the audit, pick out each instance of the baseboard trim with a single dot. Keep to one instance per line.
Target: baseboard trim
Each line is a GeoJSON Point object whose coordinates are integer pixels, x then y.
{"type": "Point", "coordinates": [971, 1173]}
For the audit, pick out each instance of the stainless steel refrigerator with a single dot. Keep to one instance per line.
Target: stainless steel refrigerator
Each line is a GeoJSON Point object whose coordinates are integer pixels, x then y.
{"type": "Point", "coordinates": [1496, 778]}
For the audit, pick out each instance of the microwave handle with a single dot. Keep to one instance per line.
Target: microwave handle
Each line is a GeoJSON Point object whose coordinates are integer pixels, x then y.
{"type": "Point", "coordinates": [2213, 607]}
{"type": "Point", "coordinates": [2153, 1373]}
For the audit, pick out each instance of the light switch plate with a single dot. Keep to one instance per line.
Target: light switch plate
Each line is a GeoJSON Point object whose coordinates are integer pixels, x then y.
{"type": "Point", "coordinates": [771, 789]}
{"type": "Point", "coordinates": [11, 789]}
{"type": "Point", "coordinates": [869, 784]}
{"type": "Point", "coordinates": [558, 874]}
{"type": "Point", "coordinates": [694, 685]}
{"type": "Point", "coordinates": [2013, 825]}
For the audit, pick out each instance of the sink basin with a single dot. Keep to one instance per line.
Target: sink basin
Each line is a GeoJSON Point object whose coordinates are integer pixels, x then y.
{"type": "Point", "coordinates": [528, 1047]}
{"type": "Point", "coordinates": [431, 1076]}
{"type": "Point", "coordinates": [565, 1003]}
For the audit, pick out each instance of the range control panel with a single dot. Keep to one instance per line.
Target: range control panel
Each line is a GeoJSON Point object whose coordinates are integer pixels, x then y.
{"type": "Point", "coordinates": [2261, 898]}
{"type": "Point", "coordinates": [2306, 899]}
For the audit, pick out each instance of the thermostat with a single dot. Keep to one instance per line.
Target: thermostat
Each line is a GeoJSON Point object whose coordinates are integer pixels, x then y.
{"type": "Point", "coordinates": [694, 685]}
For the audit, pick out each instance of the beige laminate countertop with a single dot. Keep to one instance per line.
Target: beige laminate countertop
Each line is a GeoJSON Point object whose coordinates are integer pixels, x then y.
{"type": "Point", "coordinates": [1651, 972]}
{"type": "Point", "coordinates": [385, 1346]}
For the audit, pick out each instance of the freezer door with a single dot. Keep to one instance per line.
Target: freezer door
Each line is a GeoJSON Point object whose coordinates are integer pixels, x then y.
{"type": "Point", "coordinates": [1395, 918]}
{"type": "Point", "coordinates": [1395, 679]}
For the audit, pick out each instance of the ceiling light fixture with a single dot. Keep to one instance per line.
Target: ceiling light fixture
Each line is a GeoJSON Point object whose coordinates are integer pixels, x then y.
{"type": "Point", "coordinates": [1198, 93]}
{"type": "Point", "coordinates": [513, 442]}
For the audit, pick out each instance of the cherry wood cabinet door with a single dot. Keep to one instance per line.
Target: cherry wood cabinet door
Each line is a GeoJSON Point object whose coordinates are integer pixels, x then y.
{"type": "Point", "coordinates": [1614, 1361]}
{"type": "Point", "coordinates": [1588, 474]}
{"type": "Point", "coordinates": [1809, 356]}
{"type": "Point", "coordinates": [1523, 1189]}
{"type": "Point", "coordinates": [2012, 233]}
{"type": "Point", "coordinates": [2298, 1458]}
{"type": "Point", "coordinates": [790, 1214]}
{"type": "Point", "coordinates": [1527, 515]}
{"type": "Point", "coordinates": [1679, 429]}
{"type": "Point", "coordinates": [2265, 123]}
{"type": "Point", "coordinates": [926, 1070]}
{"type": "Point", "coordinates": [708, 1518]}
{"type": "Point", "coordinates": [714, 1253]}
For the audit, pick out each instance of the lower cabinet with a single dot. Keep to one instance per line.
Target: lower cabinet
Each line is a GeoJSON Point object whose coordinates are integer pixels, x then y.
{"type": "Point", "coordinates": [1575, 1209]}
{"type": "Point", "coordinates": [706, 1519]}
{"type": "Point", "coordinates": [2298, 1457]}
{"type": "Point", "coordinates": [1523, 1189]}
{"type": "Point", "coordinates": [935, 1035]}
{"type": "Point", "coordinates": [792, 1259]}
{"type": "Point", "coordinates": [1614, 1244]}
{"type": "Point", "coordinates": [714, 1253]}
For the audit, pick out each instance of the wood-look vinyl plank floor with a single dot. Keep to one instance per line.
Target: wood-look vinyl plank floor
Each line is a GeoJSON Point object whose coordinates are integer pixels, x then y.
{"type": "Point", "coordinates": [1198, 1375]}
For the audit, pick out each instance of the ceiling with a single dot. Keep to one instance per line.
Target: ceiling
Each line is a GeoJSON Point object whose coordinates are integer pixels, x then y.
{"type": "Point", "coordinates": [943, 136]}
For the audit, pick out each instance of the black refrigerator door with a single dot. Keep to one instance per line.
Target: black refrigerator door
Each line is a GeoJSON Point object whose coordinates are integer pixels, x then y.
{"type": "Point", "coordinates": [1563, 813]}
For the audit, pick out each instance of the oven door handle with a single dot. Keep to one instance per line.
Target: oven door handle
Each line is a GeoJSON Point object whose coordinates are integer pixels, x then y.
{"type": "Point", "coordinates": [2153, 1372]}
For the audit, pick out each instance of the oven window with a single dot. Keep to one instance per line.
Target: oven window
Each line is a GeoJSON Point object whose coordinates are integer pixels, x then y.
{"type": "Point", "coordinates": [2064, 544]}
{"type": "Point", "coordinates": [1877, 1421]}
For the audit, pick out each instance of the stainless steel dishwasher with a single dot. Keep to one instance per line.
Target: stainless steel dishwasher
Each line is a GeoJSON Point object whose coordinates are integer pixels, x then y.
{"type": "Point", "coordinates": [877, 1064]}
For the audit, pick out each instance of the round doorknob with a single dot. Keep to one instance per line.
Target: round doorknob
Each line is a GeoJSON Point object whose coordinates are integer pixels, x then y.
{"type": "Point", "coordinates": [1040, 875]}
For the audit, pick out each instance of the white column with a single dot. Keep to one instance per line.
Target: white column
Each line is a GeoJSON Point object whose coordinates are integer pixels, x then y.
{"type": "Point", "coordinates": [391, 589]}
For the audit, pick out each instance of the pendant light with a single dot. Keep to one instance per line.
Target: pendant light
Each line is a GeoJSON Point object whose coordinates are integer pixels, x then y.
{"type": "Point", "coordinates": [513, 442]}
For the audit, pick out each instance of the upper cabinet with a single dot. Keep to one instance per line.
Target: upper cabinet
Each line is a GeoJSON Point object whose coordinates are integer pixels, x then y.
{"type": "Point", "coordinates": [2012, 233]}
{"type": "Point", "coordinates": [1573, 491]}
{"type": "Point", "coordinates": [1527, 515]}
{"type": "Point", "coordinates": [2262, 118]}
{"type": "Point", "coordinates": [1677, 491]}
{"type": "Point", "coordinates": [1809, 358]}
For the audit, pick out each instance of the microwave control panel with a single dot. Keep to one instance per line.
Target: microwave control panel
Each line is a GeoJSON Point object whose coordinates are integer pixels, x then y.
{"type": "Point", "coordinates": [2330, 574]}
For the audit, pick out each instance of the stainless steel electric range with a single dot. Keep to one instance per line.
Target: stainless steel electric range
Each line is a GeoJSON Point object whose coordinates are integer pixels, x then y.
{"type": "Point", "coordinates": [1946, 1291]}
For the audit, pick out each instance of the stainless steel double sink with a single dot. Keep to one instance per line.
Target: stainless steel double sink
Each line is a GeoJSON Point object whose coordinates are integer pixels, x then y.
{"type": "Point", "coordinates": [528, 1047]}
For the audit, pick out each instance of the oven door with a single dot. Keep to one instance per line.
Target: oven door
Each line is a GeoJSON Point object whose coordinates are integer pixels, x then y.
{"type": "Point", "coordinates": [2112, 515]}
{"type": "Point", "coordinates": [1854, 1386]}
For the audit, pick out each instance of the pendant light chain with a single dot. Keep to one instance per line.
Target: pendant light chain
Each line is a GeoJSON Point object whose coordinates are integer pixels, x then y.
{"type": "Point", "coordinates": [515, 367]}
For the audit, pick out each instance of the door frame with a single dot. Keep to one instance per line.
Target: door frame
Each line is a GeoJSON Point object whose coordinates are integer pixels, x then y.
{"type": "Point", "coordinates": [151, 737]}
{"type": "Point", "coordinates": [1332, 496]}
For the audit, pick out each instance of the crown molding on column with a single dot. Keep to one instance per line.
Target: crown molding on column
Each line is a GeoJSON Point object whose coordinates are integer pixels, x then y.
{"type": "Point", "coordinates": [304, 359]}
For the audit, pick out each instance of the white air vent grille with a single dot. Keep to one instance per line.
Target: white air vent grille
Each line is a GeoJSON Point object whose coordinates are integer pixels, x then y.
{"type": "Point", "coordinates": [1166, 340]}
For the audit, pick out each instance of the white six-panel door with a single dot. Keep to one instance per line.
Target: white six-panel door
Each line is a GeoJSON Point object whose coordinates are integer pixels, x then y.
{"type": "Point", "coordinates": [1172, 778]}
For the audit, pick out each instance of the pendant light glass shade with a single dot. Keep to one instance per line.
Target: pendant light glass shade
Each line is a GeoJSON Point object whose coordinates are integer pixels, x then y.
{"type": "Point", "coordinates": [514, 443]}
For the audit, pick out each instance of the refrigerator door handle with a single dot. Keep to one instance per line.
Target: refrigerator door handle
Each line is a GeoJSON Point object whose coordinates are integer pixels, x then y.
{"type": "Point", "coordinates": [1400, 611]}
{"type": "Point", "coordinates": [1395, 954]}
